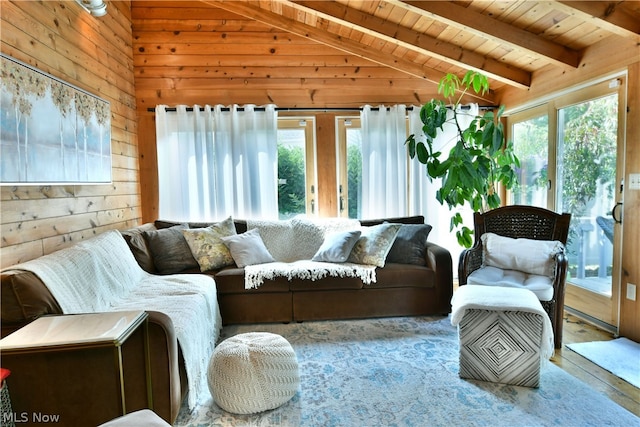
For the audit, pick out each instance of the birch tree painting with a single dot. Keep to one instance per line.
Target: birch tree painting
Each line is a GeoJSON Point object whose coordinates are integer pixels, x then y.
{"type": "Point", "coordinates": [50, 132]}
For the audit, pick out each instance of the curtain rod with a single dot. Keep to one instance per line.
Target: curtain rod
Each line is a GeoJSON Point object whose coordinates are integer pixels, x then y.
{"type": "Point", "coordinates": [325, 110]}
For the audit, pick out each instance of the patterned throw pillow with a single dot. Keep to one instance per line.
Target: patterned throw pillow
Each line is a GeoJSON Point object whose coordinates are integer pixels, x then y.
{"type": "Point", "coordinates": [207, 247]}
{"type": "Point", "coordinates": [374, 244]}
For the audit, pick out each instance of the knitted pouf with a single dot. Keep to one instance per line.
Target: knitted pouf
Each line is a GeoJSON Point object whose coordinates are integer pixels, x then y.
{"type": "Point", "coordinates": [253, 372]}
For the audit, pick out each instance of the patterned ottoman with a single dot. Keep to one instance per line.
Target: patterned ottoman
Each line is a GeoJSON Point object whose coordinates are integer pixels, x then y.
{"type": "Point", "coordinates": [505, 334]}
{"type": "Point", "coordinates": [253, 372]}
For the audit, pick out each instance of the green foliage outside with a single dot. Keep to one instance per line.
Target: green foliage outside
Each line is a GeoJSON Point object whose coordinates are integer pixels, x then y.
{"type": "Point", "coordinates": [589, 152]}
{"type": "Point", "coordinates": [480, 159]}
{"type": "Point", "coordinates": [354, 172]}
{"type": "Point", "coordinates": [291, 177]}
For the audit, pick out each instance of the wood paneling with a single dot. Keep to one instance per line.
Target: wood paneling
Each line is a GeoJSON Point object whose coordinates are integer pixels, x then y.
{"type": "Point", "coordinates": [95, 54]}
{"type": "Point", "coordinates": [630, 310]}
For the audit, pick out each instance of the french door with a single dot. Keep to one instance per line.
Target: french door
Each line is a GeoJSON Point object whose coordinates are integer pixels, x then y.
{"type": "Point", "coordinates": [571, 155]}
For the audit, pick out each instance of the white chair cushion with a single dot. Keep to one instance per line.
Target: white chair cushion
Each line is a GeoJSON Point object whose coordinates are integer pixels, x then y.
{"type": "Point", "coordinates": [541, 286]}
{"type": "Point", "coordinates": [526, 255]}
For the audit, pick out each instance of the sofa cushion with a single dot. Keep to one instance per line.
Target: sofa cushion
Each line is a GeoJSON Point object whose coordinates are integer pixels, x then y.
{"type": "Point", "coordinates": [248, 248]}
{"type": "Point", "coordinates": [526, 255]}
{"type": "Point", "coordinates": [410, 244]}
{"type": "Point", "coordinates": [416, 219]}
{"type": "Point", "coordinates": [207, 247]}
{"type": "Point", "coordinates": [374, 244]}
{"type": "Point", "coordinates": [337, 247]}
{"type": "Point", "coordinates": [170, 251]}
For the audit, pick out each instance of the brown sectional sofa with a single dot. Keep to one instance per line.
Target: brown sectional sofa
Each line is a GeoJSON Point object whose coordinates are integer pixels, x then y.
{"type": "Point", "coordinates": [400, 289]}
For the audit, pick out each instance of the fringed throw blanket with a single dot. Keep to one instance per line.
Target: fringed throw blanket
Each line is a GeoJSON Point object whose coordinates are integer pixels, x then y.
{"type": "Point", "coordinates": [255, 275]}
{"type": "Point", "coordinates": [101, 274]}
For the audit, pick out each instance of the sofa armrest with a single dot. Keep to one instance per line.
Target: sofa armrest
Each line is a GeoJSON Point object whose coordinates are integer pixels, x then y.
{"type": "Point", "coordinates": [165, 366]}
{"type": "Point", "coordinates": [24, 298]}
{"type": "Point", "coordinates": [439, 260]}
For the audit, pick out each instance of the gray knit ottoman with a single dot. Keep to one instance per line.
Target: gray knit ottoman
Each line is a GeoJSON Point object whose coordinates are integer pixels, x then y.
{"type": "Point", "coordinates": [253, 372]}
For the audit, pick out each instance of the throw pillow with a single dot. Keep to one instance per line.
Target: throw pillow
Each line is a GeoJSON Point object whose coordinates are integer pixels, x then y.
{"type": "Point", "coordinates": [170, 251]}
{"type": "Point", "coordinates": [374, 244]}
{"type": "Point", "coordinates": [526, 255]}
{"type": "Point", "coordinates": [337, 247]}
{"type": "Point", "coordinates": [410, 245]}
{"type": "Point", "coordinates": [207, 247]}
{"type": "Point", "coordinates": [248, 248]}
{"type": "Point", "coordinates": [277, 237]}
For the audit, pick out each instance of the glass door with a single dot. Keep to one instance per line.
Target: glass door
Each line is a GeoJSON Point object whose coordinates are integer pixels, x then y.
{"type": "Point", "coordinates": [587, 186]}
{"type": "Point", "coordinates": [570, 150]}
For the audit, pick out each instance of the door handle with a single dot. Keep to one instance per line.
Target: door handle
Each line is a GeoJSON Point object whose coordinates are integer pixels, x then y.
{"type": "Point", "coordinates": [614, 211]}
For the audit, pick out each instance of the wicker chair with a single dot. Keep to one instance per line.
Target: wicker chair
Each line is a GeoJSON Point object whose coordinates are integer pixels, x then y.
{"type": "Point", "coordinates": [518, 221]}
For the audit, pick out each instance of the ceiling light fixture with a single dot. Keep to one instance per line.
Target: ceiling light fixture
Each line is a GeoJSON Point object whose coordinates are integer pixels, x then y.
{"type": "Point", "coordinates": [94, 7]}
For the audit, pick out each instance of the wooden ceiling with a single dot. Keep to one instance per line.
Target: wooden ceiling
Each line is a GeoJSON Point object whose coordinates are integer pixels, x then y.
{"type": "Point", "coordinates": [347, 52]}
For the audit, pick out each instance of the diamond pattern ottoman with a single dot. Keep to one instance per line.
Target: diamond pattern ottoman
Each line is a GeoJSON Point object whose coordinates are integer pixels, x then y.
{"type": "Point", "coordinates": [501, 347]}
{"type": "Point", "coordinates": [505, 334]}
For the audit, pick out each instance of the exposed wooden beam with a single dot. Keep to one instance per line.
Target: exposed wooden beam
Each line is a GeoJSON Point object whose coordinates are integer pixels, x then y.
{"type": "Point", "coordinates": [421, 43]}
{"type": "Point", "coordinates": [252, 11]}
{"type": "Point", "coordinates": [486, 27]}
{"type": "Point", "coordinates": [607, 15]}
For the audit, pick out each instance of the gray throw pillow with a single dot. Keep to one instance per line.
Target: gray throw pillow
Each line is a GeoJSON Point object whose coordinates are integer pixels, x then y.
{"type": "Point", "coordinates": [337, 247]}
{"type": "Point", "coordinates": [410, 245]}
{"type": "Point", "coordinates": [170, 251]}
{"type": "Point", "coordinates": [248, 248]}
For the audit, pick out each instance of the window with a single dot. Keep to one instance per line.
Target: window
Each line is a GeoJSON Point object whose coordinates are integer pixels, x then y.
{"type": "Point", "coordinates": [296, 167]}
{"type": "Point", "coordinates": [350, 166]}
{"type": "Point", "coordinates": [530, 134]}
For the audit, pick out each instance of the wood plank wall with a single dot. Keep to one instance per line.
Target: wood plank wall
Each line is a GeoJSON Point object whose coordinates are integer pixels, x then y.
{"type": "Point", "coordinates": [95, 54]}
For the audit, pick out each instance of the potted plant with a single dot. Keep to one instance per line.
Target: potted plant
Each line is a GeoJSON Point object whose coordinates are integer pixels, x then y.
{"type": "Point", "coordinates": [480, 160]}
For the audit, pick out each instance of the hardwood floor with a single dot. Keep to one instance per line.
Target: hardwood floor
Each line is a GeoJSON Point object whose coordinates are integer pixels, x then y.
{"type": "Point", "coordinates": [620, 391]}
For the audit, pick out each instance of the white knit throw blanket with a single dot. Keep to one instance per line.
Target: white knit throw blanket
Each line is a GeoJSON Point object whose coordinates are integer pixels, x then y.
{"type": "Point", "coordinates": [255, 275]}
{"type": "Point", "coordinates": [101, 275]}
{"type": "Point", "coordinates": [500, 298]}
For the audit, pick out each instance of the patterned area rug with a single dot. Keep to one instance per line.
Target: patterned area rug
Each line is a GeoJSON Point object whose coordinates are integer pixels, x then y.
{"type": "Point", "coordinates": [404, 372]}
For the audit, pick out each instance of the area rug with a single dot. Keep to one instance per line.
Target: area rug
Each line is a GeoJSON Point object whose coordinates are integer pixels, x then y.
{"type": "Point", "coordinates": [621, 357]}
{"type": "Point", "coordinates": [404, 372]}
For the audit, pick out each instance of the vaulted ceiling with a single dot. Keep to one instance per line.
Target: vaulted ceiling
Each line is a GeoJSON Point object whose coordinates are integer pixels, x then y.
{"type": "Point", "coordinates": [510, 41]}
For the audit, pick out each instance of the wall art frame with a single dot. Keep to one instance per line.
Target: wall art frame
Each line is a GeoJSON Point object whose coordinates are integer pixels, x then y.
{"type": "Point", "coordinates": [51, 132]}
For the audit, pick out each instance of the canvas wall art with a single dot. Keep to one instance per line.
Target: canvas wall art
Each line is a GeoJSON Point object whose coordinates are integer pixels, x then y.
{"type": "Point", "coordinates": [51, 132]}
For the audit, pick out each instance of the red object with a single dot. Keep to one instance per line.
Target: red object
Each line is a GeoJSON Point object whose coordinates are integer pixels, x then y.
{"type": "Point", "coordinates": [4, 373]}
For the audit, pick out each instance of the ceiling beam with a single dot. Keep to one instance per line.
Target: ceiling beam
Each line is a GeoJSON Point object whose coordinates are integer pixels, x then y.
{"type": "Point", "coordinates": [415, 41]}
{"type": "Point", "coordinates": [606, 15]}
{"type": "Point", "coordinates": [250, 10]}
{"type": "Point", "coordinates": [462, 18]}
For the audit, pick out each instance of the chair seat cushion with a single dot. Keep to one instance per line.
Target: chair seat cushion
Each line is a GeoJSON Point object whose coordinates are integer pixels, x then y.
{"type": "Point", "coordinates": [541, 286]}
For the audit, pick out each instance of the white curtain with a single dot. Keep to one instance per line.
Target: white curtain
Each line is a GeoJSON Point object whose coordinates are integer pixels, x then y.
{"type": "Point", "coordinates": [384, 162]}
{"type": "Point", "coordinates": [216, 161]}
{"type": "Point", "coordinates": [423, 192]}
